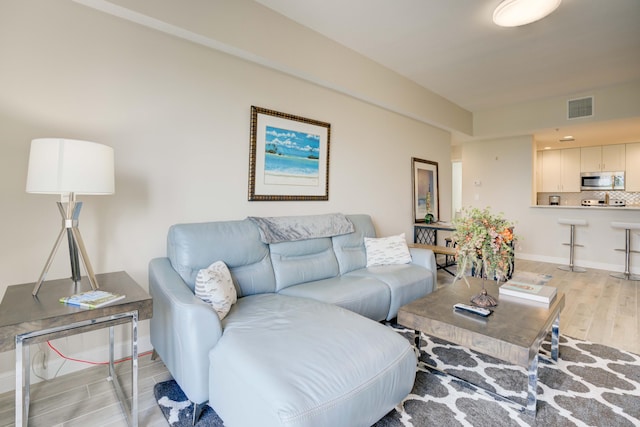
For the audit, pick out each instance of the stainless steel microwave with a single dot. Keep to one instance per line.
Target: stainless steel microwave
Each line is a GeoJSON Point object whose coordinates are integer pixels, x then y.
{"type": "Point", "coordinates": [602, 181]}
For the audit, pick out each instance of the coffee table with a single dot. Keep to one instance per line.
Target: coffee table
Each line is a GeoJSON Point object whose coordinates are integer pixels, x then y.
{"type": "Point", "coordinates": [512, 333]}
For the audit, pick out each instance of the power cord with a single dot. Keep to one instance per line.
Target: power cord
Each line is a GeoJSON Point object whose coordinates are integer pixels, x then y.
{"type": "Point", "coordinates": [43, 363]}
{"type": "Point", "coordinates": [65, 358]}
{"type": "Point", "coordinates": [59, 353]}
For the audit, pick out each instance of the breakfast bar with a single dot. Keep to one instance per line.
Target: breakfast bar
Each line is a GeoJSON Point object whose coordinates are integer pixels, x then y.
{"type": "Point", "coordinates": [598, 244]}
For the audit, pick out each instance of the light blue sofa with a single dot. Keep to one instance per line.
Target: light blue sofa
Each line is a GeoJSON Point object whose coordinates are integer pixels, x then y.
{"type": "Point", "coordinates": [304, 345]}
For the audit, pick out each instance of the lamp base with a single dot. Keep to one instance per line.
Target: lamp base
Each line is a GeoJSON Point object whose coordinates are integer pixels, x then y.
{"type": "Point", "coordinates": [70, 217]}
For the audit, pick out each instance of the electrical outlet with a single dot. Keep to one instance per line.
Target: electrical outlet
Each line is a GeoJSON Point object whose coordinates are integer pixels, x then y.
{"type": "Point", "coordinates": [40, 362]}
{"type": "Point", "coordinates": [45, 359]}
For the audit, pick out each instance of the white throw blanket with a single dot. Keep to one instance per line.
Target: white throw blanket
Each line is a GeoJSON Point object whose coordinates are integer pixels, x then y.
{"type": "Point", "coordinates": [291, 228]}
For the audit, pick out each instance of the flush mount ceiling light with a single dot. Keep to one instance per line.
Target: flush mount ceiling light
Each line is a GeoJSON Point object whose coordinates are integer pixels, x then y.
{"type": "Point", "coordinates": [514, 13]}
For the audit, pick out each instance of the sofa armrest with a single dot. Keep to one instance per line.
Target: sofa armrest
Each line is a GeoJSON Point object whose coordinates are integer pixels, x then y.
{"type": "Point", "coordinates": [427, 259]}
{"type": "Point", "coordinates": [183, 329]}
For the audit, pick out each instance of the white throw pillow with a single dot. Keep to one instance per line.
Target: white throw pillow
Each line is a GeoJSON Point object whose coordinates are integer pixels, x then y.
{"type": "Point", "coordinates": [215, 287]}
{"type": "Point", "coordinates": [387, 250]}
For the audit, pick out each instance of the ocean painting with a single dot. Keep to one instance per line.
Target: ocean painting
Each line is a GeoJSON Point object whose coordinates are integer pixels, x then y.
{"type": "Point", "coordinates": [291, 157]}
{"type": "Point", "coordinates": [425, 189]}
{"type": "Point", "coordinates": [425, 186]}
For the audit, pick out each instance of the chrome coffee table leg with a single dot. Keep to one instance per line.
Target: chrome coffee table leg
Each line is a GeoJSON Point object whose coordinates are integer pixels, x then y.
{"type": "Point", "coordinates": [555, 333]}
{"type": "Point", "coordinates": [532, 392]}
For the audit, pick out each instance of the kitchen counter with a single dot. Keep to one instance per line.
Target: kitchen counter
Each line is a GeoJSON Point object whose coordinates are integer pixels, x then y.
{"type": "Point", "coordinates": [594, 208]}
{"type": "Point", "coordinates": [544, 238]}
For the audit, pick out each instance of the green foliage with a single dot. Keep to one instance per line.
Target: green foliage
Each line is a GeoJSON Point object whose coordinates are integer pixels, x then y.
{"type": "Point", "coordinates": [484, 244]}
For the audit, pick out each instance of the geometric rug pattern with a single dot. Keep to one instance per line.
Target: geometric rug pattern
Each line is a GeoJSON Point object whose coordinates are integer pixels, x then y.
{"type": "Point", "coordinates": [590, 385]}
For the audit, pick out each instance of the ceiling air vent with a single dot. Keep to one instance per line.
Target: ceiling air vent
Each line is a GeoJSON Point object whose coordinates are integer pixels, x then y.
{"type": "Point", "coordinates": [577, 108]}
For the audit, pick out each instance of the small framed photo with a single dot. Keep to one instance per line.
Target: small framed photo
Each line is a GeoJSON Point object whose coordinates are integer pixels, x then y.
{"type": "Point", "coordinates": [425, 190]}
{"type": "Point", "coordinates": [288, 157]}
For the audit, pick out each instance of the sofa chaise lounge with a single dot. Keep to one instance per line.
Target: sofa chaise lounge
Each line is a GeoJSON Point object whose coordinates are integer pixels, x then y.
{"type": "Point", "coordinates": [304, 344]}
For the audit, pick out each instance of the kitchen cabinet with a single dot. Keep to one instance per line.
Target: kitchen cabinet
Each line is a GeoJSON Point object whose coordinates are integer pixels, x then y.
{"type": "Point", "coordinates": [632, 171]}
{"type": "Point", "coordinates": [551, 176]}
{"type": "Point", "coordinates": [561, 170]}
{"type": "Point", "coordinates": [610, 158]}
{"type": "Point", "coordinates": [539, 171]}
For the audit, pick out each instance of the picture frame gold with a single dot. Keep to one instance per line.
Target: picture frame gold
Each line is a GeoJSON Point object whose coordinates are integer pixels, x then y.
{"type": "Point", "coordinates": [288, 157]}
{"type": "Point", "coordinates": [424, 180]}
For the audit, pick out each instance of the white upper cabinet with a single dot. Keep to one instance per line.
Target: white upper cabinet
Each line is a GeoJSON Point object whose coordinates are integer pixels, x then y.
{"type": "Point", "coordinates": [561, 171]}
{"type": "Point", "coordinates": [609, 158]}
{"type": "Point", "coordinates": [632, 171]}
{"type": "Point", "coordinates": [590, 159]}
{"type": "Point", "coordinates": [551, 176]}
{"type": "Point", "coordinates": [613, 158]}
{"type": "Point", "coordinates": [571, 170]}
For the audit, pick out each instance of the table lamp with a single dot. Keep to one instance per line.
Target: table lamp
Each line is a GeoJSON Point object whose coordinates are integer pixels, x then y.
{"type": "Point", "coordinates": [70, 167]}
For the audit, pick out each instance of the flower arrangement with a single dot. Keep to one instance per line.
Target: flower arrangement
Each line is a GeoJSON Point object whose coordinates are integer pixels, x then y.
{"type": "Point", "coordinates": [428, 218]}
{"type": "Point", "coordinates": [484, 244]}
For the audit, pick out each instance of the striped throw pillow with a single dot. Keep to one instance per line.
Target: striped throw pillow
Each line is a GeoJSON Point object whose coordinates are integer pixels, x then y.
{"type": "Point", "coordinates": [387, 250]}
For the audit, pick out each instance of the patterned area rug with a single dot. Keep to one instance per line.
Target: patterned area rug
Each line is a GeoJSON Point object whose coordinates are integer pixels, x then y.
{"type": "Point", "coordinates": [591, 385]}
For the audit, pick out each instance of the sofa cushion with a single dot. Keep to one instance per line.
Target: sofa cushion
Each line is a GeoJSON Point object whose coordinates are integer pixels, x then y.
{"type": "Point", "coordinates": [387, 250]}
{"type": "Point", "coordinates": [349, 248]}
{"type": "Point", "coordinates": [303, 261]}
{"type": "Point", "coordinates": [406, 282]}
{"type": "Point", "coordinates": [192, 247]}
{"type": "Point", "coordinates": [366, 296]}
{"type": "Point", "coordinates": [325, 366]}
{"type": "Point", "coordinates": [215, 287]}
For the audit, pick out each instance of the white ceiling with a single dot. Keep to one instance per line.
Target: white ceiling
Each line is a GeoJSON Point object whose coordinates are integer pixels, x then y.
{"type": "Point", "coordinates": [452, 47]}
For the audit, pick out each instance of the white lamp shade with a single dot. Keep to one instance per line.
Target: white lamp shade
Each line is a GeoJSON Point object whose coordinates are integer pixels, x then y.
{"type": "Point", "coordinates": [62, 166]}
{"type": "Point", "coordinates": [513, 13]}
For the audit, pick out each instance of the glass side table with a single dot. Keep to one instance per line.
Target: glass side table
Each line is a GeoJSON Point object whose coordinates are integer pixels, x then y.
{"type": "Point", "coordinates": [25, 320]}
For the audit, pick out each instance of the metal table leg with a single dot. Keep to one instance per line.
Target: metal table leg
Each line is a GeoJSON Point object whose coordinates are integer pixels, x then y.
{"type": "Point", "coordinates": [23, 380]}
{"type": "Point", "coordinates": [555, 333]}
{"type": "Point", "coordinates": [532, 389]}
{"type": "Point", "coordinates": [131, 411]}
{"type": "Point", "coordinates": [22, 403]}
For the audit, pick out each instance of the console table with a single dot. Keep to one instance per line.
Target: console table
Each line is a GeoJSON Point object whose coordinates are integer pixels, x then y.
{"type": "Point", "coordinates": [25, 319]}
{"type": "Point", "coordinates": [427, 233]}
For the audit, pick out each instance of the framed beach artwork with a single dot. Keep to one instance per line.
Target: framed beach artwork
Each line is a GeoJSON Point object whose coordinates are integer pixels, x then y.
{"type": "Point", "coordinates": [288, 157]}
{"type": "Point", "coordinates": [425, 190]}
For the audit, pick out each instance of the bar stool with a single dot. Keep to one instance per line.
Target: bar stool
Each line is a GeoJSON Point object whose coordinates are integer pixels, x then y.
{"type": "Point", "coordinates": [572, 244]}
{"type": "Point", "coordinates": [627, 226]}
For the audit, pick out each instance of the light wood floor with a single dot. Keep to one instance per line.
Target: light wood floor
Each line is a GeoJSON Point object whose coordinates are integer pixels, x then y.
{"type": "Point", "coordinates": [599, 308]}
{"type": "Point", "coordinates": [86, 398]}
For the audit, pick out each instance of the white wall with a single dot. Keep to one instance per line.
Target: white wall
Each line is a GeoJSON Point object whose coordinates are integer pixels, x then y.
{"type": "Point", "coordinates": [610, 103]}
{"type": "Point", "coordinates": [177, 115]}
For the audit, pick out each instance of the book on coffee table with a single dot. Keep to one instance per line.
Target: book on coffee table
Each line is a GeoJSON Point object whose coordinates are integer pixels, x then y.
{"type": "Point", "coordinates": [91, 299]}
{"type": "Point", "coordinates": [529, 277]}
{"type": "Point", "coordinates": [530, 291]}
{"type": "Point", "coordinates": [527, 286]}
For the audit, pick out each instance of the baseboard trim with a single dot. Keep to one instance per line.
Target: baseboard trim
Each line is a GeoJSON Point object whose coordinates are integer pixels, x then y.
{"type": "Point", "coordinates": [614, 268]}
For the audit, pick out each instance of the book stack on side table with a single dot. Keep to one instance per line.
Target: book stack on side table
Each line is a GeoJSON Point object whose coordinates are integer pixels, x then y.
{"type": "Point", "coordinates": [91, 299]}
{"type": "Point", "coordinates": [528, 288]}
